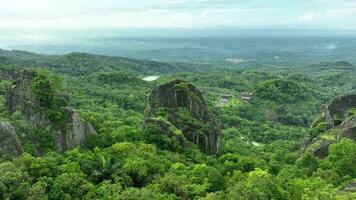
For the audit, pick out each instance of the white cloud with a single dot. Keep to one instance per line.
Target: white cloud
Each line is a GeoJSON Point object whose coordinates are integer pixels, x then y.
{"type": "Point", "coordinates": [307, 17]}
{"type": "Point", "coordinates": [121, 13]}
{"type": "Point", "coordinates": [49, 14]}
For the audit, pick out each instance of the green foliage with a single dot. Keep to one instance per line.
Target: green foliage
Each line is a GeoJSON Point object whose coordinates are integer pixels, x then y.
{"type": "Point", "coordinates": [125, 161]}
{"type": "Point", "coordinates": [13, 182]}
{"type": "Point", "coordinates": [196, 125]}
{"type": "Point", "coordinates": [319, 126]}
{"type": "Point", "coordinates": [261, 185]}
{"type": "Point", "coordinates": [341, 158]}
{"type": "Point", "coordinates": [153, 134]}
{"type": "Point", "coordinates": [45, 88]}
{"type": "Point", "coordinates": [282, 91]}
{"type": "Point", "coordinates": [70, 186]}
{"type": "Point", "coordinates": [313, 188]}
{"type": "Point", "coordinates": [308, 162]}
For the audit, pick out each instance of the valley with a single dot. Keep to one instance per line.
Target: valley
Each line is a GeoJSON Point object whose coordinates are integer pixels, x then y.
{"type": "Point", "coordinates": [191, 132]}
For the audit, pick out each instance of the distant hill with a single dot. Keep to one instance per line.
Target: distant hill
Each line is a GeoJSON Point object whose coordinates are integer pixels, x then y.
{"type": "Point", "coordinates": [340, 74]}
{"type": "Point", "coordinates": [82, 64]}
{"type": "Point", "coordinates": [340, 65]}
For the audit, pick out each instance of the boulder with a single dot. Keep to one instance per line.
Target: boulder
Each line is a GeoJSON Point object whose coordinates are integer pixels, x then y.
{"type": "Point", "coordinates": [9, 142]}
{"type": "Point", "coordinates": [187, 111]}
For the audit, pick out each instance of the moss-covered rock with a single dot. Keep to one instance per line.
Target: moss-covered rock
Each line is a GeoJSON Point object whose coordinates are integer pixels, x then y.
{"type": "Point", "coordinates": [337, 121]}
{"type": "Point", "coordinates": [73, 133]}
{"type": "Point", "coordinates": [335, 110]}
{"type": "Point", "coordinates": [36, 97]}
{"type": "Point", "coordinates": [9, 142]}
{"type": "Point", "coordinates": [180, 110]}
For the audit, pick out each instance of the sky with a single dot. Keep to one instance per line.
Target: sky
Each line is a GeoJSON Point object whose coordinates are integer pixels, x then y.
{"type": "Point", "coordinates": [331, 14]}
{"type": "Point", "coordinates": [32, 17]}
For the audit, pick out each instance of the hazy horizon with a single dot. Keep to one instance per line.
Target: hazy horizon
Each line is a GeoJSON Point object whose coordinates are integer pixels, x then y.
{"type": "Point", "coordinates": [34, 21]}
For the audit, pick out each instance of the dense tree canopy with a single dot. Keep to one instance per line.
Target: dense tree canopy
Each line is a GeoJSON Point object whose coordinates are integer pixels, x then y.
{"type": "Point", "coordinates": [260, 157]}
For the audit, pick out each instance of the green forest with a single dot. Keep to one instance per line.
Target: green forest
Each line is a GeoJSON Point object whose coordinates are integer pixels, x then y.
{"type": "Point", "coordinates": [85, 126]}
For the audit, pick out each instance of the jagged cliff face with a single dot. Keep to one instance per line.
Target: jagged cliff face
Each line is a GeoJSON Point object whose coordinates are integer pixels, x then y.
{"type": "Point", "coordinates": [19, 98]}
{"type": "Point", "coordinates": [182, 100]}
{"type": "Point", "coordinates": [179, 93]}
{"type": "Point", "coordinates": [77, 130]}
{"type": "Point", "coordinates": [9, 73]}
{"type": "Point", "coordinates": [73, 130]}
{"type": "Point", "coordinates": [9, 142]}
{"type": "Point", "coordinates": [337, 109]}
{"type": "Point", "coordinates": [337, 121]}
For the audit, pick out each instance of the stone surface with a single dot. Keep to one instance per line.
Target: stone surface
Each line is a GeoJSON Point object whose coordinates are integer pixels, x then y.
{"type": "Point", "coordinates": [340, 121]}
{"type": "Point", "coordinates": [181, 94]}
{"type": "Point", "coordinates": [9, 142]}
{"type": "Point", "coordinates": [348, 129]}
{"type": "Point", "coordinates": [338, 107]}
{"type": "Point", "coordinates": [19, 99]}
{"type": "Point", "coordinates": [322, 150]}
{"type": "Point", "coordinates": [8, 73]}
{"type": "Point", "coordinates": [77, 130]}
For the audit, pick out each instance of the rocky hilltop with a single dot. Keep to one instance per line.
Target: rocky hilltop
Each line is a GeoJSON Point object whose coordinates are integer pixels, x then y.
{"type": "Point", "coordinates": [337, 121]}
{"type": "Point", "coordinates": [42, 107]}
{"type": "Point", "coordinates": [180, 111]}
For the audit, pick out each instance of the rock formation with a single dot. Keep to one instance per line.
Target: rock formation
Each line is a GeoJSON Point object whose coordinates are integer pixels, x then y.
{"type": "Point", "coordinates": [19, 98]}
{"type": "Point", "coordinates": [9, 142]}
{"type": "Point", "coordinates": [337, 121]}
{"type": "Point", "coordinates": [338, 108]}
{"type": "Point", "coordinates": [179, 109]}
{"type": "Point", "coordinates": [77, 130]}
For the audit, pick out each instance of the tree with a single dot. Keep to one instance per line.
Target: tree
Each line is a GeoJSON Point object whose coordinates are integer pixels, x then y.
{"type": "Point", "coordinates": [13, 182]}
{"type": "Point", "coordinates": [153, 134]}
{"type": "Point", "coordinates": [342, 158]}
{"type": "Point", "coordinates": [308, 162]}
{"type": "Point", "coordinates": [261, 185]}
{"type": "Point", "coordinates": [312, 188]}
{"type": "Point", "coordinates": [201, 173]}
{"type": "Point", "coordinates": [68, 186]}
{"type": "Point", "coordinates": [137, 169]}
{"type": "Point", "coordinates": [38, 191]}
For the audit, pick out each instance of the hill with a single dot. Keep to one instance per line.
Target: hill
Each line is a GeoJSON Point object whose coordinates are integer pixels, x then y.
{"type": "Point", "coordinates": [76, 64]}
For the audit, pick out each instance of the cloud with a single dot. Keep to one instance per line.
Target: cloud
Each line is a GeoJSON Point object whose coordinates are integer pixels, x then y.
{"type": "Point", "coordinates": [123, 13]}
{"type": "Point", "coordinates": [307, 17]}
{"type": "Point", "coordinates": [61, 14]}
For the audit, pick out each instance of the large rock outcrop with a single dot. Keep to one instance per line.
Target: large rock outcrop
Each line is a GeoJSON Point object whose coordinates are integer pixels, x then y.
{"type": "Point", "coordinates": [19, 98]}
{"type": "Point", "coordinates": [9, 142]}
{"type": "Point", "coordinates": [8, 73]}
{"type": "Point", "coordinates": [75, 133]}
{"type": "Point", "coordinates": [338, 108]}
{"type": "Point", "coordinates": [337, 121]}
{"type": "Point", "coordinates": [179, 109]}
